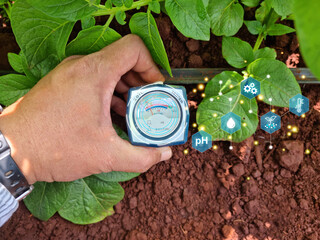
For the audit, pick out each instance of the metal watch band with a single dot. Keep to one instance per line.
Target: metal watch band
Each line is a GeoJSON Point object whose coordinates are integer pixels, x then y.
{"type": "Point", "coordinates": [10, 175]}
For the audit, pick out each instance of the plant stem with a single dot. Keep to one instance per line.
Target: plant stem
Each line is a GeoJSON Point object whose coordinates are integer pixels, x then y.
{"type": "Point", "coordinates": [108, 22]}
{"type": "Point", "coordinates": [104, 11]}
{"type": "Point", "coordinates": [258, 42]}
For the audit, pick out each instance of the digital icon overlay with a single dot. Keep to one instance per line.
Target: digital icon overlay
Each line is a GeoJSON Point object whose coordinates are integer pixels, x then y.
{"type": "Point", "coordinates": [270, 122]}
{"type": "Point", "coordinates": [299, 105]}
{"type": "Point", "coordinates": [201, 141]}
{"type": "Point", "coordinates": [230, 123]}
{"type": "Point", "coordinates": [250, 88]}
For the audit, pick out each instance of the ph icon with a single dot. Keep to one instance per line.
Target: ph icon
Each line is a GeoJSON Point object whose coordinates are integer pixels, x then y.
{"type": "Point", "coordinates": [201, 141]}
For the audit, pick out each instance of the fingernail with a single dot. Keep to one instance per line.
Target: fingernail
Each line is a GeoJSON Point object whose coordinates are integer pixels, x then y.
{"type": "Point", "coordinates": [166, 153]}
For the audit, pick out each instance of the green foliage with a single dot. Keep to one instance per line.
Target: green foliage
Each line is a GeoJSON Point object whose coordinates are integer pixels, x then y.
{"type": "Point", "coordinates": [214, 106]}
{"type": "Point", "coordinates": [190, 18]}
{"type": "Point", "coordinates": [307, 20]}
{"type": "Point", "coordinates": [42, 30]}
{"type": "Point", "coordinates": [144, 25]}
{"type": "Point", "coordinates": [83, 201]}
{"type": "Point", "coordinates": [13, 87]}
{"type": "Point", "coordinates": [238, 53]}
{"type": "Point", "coordinates": [226, 17]}
{"type": "Point", "coordinates": [280, 86]}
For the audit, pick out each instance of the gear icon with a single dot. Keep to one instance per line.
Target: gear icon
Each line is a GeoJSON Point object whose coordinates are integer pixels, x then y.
{"type": "Point", "coordinates": [252, 85]}
{"type": "Point", "coordinates": [247, 88]}
{"type": "Point", "coordinates": [254, 91]}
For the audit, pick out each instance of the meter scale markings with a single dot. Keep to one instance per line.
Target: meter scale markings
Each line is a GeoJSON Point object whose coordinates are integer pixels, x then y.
{"type": "Point", "coordinates": [158, 114]}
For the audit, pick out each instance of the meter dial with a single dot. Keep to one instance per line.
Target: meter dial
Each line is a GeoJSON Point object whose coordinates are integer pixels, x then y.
{"type": "Point", "coordinates": [157, 115]}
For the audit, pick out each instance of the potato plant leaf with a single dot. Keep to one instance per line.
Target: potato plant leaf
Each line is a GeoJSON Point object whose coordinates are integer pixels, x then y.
{"type": "Point", "coordinates": [88, 22]}
{"type": "Point", "coordinates": [265, 53]}
{"type": "Point", "coordinates": [307, 20]}
{"type": "Point", "coordinates": [238, 53]}
{"type": "Point", "coordinates": [117, 176]}
{"type": "Point", "coordinates": [190, 18]}
{"type": "Point", "coordinates": [121, 17]}
{"type": "Point", "coordinates": [251, 3]}
{"type": "Point", "coordinates": [71, 10]}
{"type": "Point", "coordinates": [226, 17]}
{"type": "Point", "coordinates": [283, 7]}
{"type": "Point", "coordinates": [120, 3]}
{"type": "Point", "coordinates": [15, 62]}
{"type": "Point", "coordinates": [90, 200]}
{"type": "Point", "coordinates": [144, 25]}
{"type": "Point", "coordinates": [47, 198]}
{"type": "Point", "coordinates": [254, 27]}
{"type": "Point", "coordinates": [279, 29]}
{"type": "Point", "coordinates": [214, 106]}
{"type": "Point", "coordinates": [92, 40]}
{"type": "Point", "coordinates": [277, 81]}
{"type": "Point", "coordinates": [41, 38]}
{"type": "Point", "coordinates": [154, 6]}
{"type": "Point", "coordinates": [13, 87]}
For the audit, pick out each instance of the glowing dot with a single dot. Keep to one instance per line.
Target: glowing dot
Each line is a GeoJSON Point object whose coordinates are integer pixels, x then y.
{"type": "Point", "coordinates": [282, 53]}
{"type": "Point", "coordinates": [260, 97]}
{"type": "Point", "coordinates": [215, 147]}
{"type": "Point", "coordinates": [245, 61]}
{"type": "Point", "coordinates": [256, 143]}
{"type": "Point", "coordinates": [200, 87]}
{"type": "Point", "coordinates": [203, 95]}
{"type": "Point", "coordinates": [303, 76]}
{"type": "Point", "coordinates": [250, 111]}
{"type": "Point", "coordinates": [303, 115]}
{"type": "Point", "coordinates": [273, 110]}
{"type": "Point", "coordinates": [307, 151]}
{"type": "Point", "coordinates": [231, 86]}
{"type": "Point", "coordinates": [194, 125]}
{"type": "Point", "coordinates": [268, 76]}
{"type": "Point", "coordinates": [206, 79]}
{"type": "Point", "coordinates": [241, 101]}
{"type": "Point", "coordinates": [202, 128]}
{"type": "Point", "coordinates": [230, 147]}
{"type": "Point", "coordinates": [220, 93]}
{"type": "Point", "coordinates": [244, 124]}
{"type": "Point", "coordinates": [186, 151]}
{"type": "Point", "coordinates": [230, 137]}
{"type": "Point", "coordinates": [270, 147]}
{"type": "Point", "coordinates": [194, 90]}
{"type": "Point", "coordinates": [220, 82]}
{"type": "Point", "coordinates": [289, 126]}
{"type": "Point", "coordinates": [215, 115]}
{"type": "Point", "coordinates": [289, 134]}
{"type": "Point", "coordinates": [270, 99]}
{"type": "Point", "coordinates": [295, 129]}
{"type": "Point", "coordinates": [248, 178]}
{"type": "Point", "coordinates": [283, 149]}
{"type": "Point", "coordinates": [230, 99]}
{"type": "Point", "coordinates": [218, 98]}
{"type": "Point", "coordinates": [211, 99]}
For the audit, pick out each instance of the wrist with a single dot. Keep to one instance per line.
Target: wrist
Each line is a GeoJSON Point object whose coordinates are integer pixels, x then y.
{"type": "Point", "coordinates": [12, 130]}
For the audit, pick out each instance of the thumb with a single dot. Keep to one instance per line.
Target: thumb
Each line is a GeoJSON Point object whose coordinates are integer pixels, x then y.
{"type": "Point", "coordinates": [129, 158]}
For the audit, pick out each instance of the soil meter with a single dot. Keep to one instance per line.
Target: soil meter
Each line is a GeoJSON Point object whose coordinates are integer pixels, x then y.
{"type": "Point", "coordinates": [157, 115]}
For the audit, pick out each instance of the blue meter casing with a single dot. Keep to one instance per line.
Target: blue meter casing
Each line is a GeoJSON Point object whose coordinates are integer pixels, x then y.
{"type": "Point", "coordinates": [157, 115]}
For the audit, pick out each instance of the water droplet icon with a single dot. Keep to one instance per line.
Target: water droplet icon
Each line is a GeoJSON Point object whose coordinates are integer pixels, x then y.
{"type": "Point", "coordinates": [231, 123]}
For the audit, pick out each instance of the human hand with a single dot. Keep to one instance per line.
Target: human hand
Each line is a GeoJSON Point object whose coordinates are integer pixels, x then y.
{"type": "Point", "coordinates": [61, 130]}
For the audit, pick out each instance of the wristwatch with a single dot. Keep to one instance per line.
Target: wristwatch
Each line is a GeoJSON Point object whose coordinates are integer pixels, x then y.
{"type": "Point", "coordinates": [10, 174]}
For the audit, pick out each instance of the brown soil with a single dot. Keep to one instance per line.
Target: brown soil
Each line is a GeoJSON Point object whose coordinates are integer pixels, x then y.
{"type": "Point", "coordinates": [248, 193]}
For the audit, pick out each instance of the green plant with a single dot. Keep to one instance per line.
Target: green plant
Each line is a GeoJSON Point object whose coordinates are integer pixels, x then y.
{"type": "Point", "coordinates": [42, 30]}
{"type": "Point", "coordinates": [277, 81]}
{"type": "Point", "coordinates": [306, 22]}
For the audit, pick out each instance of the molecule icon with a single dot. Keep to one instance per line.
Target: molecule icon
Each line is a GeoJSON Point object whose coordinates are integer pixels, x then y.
{"type": "Point", "coordinates": [250, 87]}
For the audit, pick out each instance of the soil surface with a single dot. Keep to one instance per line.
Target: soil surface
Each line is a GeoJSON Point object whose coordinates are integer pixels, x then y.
{"type": "Point", "coordinates": [250, 193]}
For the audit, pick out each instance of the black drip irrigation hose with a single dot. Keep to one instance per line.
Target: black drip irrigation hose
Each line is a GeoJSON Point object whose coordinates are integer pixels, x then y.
{"type": "Point", "coordinates": [198, 75]}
